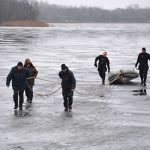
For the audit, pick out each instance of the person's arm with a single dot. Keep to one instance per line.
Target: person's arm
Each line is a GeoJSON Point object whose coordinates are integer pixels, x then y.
{"type": "Point", "coordinates": [60, 74]}
{"type": "Point", "coordinates": [9, 77]}
{"type": "Point", "coordinates": [138, 60]}
{"type": "Point", "coordinates": [96, 59]}
{"type": "Point", "coordinates": [148, 56]}
{"type": "Point", "coordinates": [108, 65]}
{"type": "Point", "coordinates": [73, 81]}
{"type": "Point", "coordinates": [35, 72]}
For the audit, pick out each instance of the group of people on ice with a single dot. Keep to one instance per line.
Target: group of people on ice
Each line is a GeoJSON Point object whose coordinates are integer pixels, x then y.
{"type": "Point", "coordinates": [20, 83]}
{"type": "Point", "coordinates": [23, 76]}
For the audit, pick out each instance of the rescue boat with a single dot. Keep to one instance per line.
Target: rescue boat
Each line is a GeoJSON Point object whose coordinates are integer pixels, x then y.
{"type": "Point", "coordinates": [122, 76]}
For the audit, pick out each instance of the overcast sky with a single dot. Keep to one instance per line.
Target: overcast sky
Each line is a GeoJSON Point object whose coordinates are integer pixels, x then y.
{"type": "Point", "coordinates": [107, 4]}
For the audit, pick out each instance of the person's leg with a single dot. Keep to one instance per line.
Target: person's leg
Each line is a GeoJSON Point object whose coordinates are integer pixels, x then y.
{"type": "Point", "coordinates": [65, 97]}
{"type": "Point", "coordinates": [15, 98]}
{"type": "Point", "coordinates": [141, 76]}
{"type": "Point", "coordinates": [30, 94]}
{"type": "Point", "coordinates": [21, 98]}
{"type": "Point", "coordinates": [27, 93]}
{"type": "Point", "coordinates": [103, 77]}
{"type": "Point", "coordinates": [145, 75]}
{"type": "Point", "coordinates": [70, 97]}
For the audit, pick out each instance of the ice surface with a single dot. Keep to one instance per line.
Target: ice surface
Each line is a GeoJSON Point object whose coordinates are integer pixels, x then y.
{"type": "Point", "coordinates": [110, 117]}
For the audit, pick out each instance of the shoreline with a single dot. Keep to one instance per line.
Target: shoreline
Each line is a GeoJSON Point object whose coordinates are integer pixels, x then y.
{"type": "Point", "coordinates": [24, 23]}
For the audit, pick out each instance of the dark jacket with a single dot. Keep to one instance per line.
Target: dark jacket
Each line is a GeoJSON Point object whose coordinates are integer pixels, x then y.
{"type": "Point", "coordinates": [18, 78]}
{"type": "Point", "coordinates": [68, 80]}
{"type": "Point", "coordinates": [103, 62]}
{"type": "Point", "coordinates": [143, 60]}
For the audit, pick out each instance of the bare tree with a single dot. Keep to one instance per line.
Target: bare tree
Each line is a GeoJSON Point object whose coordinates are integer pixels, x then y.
{"type": "Point", "coordinates": [18, 9]}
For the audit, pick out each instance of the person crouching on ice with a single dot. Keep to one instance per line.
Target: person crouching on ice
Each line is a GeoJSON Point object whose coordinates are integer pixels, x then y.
{"type": "Point", "coordinates": [68, 85]}
{"type": "Point", "coordinates": [30, 82]}
{"type": "Point", "coordinates": [103, 62]}
{"type": "Point", "coordinates": [18, 75]}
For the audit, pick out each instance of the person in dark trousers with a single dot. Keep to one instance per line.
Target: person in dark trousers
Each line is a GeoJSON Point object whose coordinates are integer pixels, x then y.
{"type": "Point", "coordinates": [143, 67]}
{"type": "Point", "coordinates": [30, 82]}
{"type": "Point", "coordinates": [103, 61]}
{"type": "Point", "coordinates": [68, 85]}
{"type": "Point", "coordinates": [18, 75]}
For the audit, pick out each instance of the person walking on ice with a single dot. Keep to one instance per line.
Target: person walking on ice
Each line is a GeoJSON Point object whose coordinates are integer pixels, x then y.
{"type": "Point", "coordinates": [68, 85]}
{"type": "Point", "coordinates": [143, 67]}
{"type": "Point", "coordinates": [103, 61]}
{"type": "Point", "coordinates": [30, 82]}
{"type": "Point", "coordinates": [18, 75]}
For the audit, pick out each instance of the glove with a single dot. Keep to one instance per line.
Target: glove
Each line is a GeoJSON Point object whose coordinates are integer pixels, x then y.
{"type": "Point", "coordinates": [95, 65]}
{"type": "Point", "coordinates": [108, 70]}
{"type": "Point", "coordinates": [135, 65]}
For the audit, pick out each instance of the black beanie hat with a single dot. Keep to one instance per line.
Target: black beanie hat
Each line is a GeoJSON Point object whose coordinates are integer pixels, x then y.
{"type": "Point", "coordinates": [20, 64]}
{"type": "Point", "coordinates": [63, 67]}
{"type": "Point", "coordinates": [144, 49]}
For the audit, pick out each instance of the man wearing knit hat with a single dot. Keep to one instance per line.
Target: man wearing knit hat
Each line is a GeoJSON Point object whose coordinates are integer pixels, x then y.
{"type": "Point", "coordinates": [68, 85]}
{"type": "Point", "coordinates": [18, 75]}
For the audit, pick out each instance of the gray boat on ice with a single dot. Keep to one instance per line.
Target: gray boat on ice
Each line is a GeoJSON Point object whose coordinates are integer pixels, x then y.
{"type": "Point", "coordinates": [122, 76]}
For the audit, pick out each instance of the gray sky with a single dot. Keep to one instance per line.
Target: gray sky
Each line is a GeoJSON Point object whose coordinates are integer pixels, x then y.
{"type": "Point", "coordinates": [107, 4]}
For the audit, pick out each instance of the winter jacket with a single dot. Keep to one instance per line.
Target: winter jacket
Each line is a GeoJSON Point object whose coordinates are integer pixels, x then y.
{"type": "Point", "coordinates": [32, 72]}
{"type": "Point", "coordinates": [68, 80]}
{"type": "Point", "coordinates": [18, 78]}
{"type": "Point", "coordinates": [143, 60]}
{"type": "Point", "coordinates": [103, 62]}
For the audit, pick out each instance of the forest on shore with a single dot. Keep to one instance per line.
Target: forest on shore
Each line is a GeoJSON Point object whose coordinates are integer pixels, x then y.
{"type": "Point", "coordinates": [34, 10]}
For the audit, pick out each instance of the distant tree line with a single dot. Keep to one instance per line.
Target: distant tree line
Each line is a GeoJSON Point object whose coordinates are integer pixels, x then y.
{"type": "Point", "coordinates": [18, 10]}
{"type": "Point", "coordinates": [132, 14]}
{"type": "Point", "coordinates": [34, 10]}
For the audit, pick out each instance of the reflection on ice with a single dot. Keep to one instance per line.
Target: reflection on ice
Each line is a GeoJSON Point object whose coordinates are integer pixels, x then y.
{"type": "Point", "coordinates": [140, 92]}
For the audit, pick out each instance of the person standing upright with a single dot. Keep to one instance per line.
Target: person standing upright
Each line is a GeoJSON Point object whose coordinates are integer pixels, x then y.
{"type": "Point", "coordinates": [30, 82]}
{"type": "Point", "coordinates": [68, 85]}
{"type": "Point", "coordinates": [18, 75]}
{"type": "Point", "coordinates": [103, 64]}
{"type": "Point", "coordinates": [143, 67]}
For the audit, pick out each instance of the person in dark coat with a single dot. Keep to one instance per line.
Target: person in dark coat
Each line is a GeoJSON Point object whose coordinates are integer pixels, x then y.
{"type": "Point", "coordinates": [30, 82]}
{"type": "Point", "coordinates": [103, 61]}
{"type": "Point", "coordinates": [68, 85]}
{"type": "Point", "coordinates": [142, 60]}
{"type": "Point", "coordinates": [18, 75]}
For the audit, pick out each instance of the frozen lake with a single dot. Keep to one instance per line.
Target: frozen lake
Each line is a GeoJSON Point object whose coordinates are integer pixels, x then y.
{"type": "Point", "coordinates": [115, 117]}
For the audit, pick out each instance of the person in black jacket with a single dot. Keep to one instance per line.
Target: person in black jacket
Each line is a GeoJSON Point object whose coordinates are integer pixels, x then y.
{"type": "Point", "coordinates": [142, 60]}
{"type": "Point", "coordinates": [18, 75]}
{"type": "Point", "coordinates": [103, 62]}
{"type": "Point", "coordinates": [68, 85]}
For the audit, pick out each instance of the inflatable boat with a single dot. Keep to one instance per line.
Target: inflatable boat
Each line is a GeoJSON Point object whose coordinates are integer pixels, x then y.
{"type": "Point", "coordinates": [122, 76]}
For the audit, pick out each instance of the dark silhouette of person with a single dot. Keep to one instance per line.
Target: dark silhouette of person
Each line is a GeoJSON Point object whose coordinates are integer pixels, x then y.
{"type": "Point", "coordinates": [103, 64]}
{"type": "Point", "coordinates": [143, 67]}
{"type": "Point", "coordinates": [18, 75]}
{"type": "Point", "coordinates": [68, 85]}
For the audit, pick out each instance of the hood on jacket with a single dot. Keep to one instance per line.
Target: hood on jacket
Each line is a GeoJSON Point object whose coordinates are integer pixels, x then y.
{"type": "Point", "coordinates": [28, 61]}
